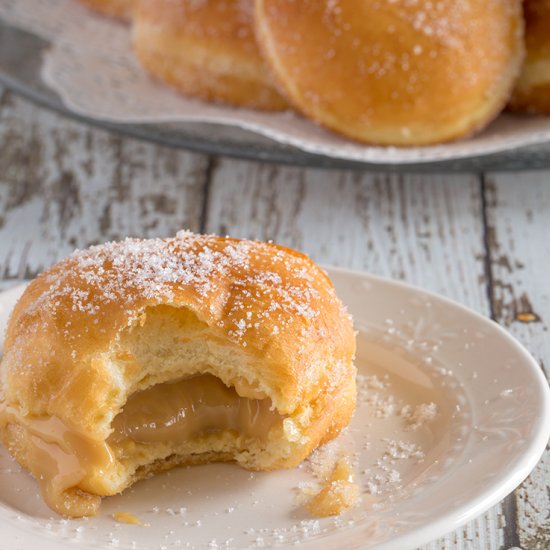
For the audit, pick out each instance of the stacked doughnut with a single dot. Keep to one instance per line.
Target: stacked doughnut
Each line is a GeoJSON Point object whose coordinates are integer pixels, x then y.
{"type": "Point", "coordinates": [532, 93]}
{"type": "Point", "coordinates": [206, 49]}
{"type": "Point", "coordinates": [384, 72]}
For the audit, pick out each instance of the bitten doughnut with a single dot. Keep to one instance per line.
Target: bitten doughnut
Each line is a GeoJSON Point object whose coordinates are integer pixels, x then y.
{"type": "Point", "coordinates": [121, 9]}
{"type": "Point", "coordinates": [133, 357]}
{"type": "Point", "coordinates": [394, 72]}
{"type": "Point", "coordinates": [205, 49]}
{"type": "Point", "coordinates": [532, 93]}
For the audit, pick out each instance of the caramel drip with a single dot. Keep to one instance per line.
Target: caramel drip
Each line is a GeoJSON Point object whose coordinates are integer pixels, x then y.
{"type": "Point", "coordinates": [60, 458]}
{"type": "Point", "coordinates": [125, 517]}
{"type": "Point", "coordinates": [178, 411]}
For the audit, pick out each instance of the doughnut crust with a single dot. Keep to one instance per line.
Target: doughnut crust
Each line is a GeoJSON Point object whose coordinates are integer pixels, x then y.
{"type": "Point", "coordinates": [120, 9]}
{"type": "Point", "coordinates": [205, 49]}
{"type": "Point", "coordinates": [394, 72]}
{"type": "Point", "coordinates": [90, 339]}
{"type": "Point", "coordinates": [532, 92]}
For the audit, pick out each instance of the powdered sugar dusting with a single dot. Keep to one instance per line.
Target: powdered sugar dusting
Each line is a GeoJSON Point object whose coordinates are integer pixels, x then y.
{"type": "Point", "coordinates": [373, 391]}
{"type": "Point", "coordinates": [250, 286]}
{"type": "Point", "coordinates": [419, 415]}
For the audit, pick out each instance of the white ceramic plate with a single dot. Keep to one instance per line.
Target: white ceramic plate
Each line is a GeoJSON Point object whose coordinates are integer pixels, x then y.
{"type": "Point", "coordinates": [418, 481]}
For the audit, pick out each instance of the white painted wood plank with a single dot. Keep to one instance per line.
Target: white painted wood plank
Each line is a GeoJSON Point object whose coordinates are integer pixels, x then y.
{"type": "Point", "coordinates": [64, 185]}
{"type": "Point", "coordinates": [427, 230]}
{"type": "Point", "coordinates": [519, 223]}
{"type": "Point", "coordinates": [6, 284]}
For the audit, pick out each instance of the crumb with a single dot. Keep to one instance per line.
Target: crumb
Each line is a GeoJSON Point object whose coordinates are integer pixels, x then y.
{"type": "Point", "coordinates": [339, 493]}
{"type": "Point", "coordinates": [125, 517]}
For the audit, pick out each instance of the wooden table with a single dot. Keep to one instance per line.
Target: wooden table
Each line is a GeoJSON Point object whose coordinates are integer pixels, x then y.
{"type": "Point", "coordinates": [483, 240]}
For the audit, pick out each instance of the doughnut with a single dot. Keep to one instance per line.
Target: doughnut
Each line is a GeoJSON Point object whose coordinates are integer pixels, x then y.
{"type": "Point", "coordinates": [394, 72]}
{"type": "Point", "coordinates": [121, 9]}
{"type": "Point", "coordinates": [205, 49]}
{"type": "Point", "coordinates": [532, 92]}
{"type": "Point", "coordinates": [134, 357]}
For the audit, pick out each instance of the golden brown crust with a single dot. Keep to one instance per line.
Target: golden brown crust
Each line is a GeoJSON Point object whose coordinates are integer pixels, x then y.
{"type": "Point", "coordinates": [205, 49]}
{"type": "Point", "coordinates": [532, 92]}
{"type": "Point", "coordinates": [120, 9]}
{"type": "Point", "coordinates": [73, 357]}
{"type": "Point", "coordinates": [394, 73]}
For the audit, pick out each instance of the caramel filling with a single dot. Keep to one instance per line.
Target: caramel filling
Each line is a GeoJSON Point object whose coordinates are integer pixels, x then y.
{"type": "Point", "coordinates": [178, 411]}
{"type": "Point", "coordinates": [173, 412]}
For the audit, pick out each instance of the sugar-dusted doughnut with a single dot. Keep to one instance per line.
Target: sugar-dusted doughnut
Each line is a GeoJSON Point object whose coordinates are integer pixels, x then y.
{"type": "Point", "coordinates": [205, 49]}
{"type": "Point", "coordinates": [394, 72]}
{"type": "Point", "coordinates": [137, 356]}
{"type": "Point", "coordinates": [532, 93]}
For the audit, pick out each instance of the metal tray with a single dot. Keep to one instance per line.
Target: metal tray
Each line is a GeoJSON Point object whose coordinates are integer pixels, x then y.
{"type": "Point", "coordinates": [20, 62]}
